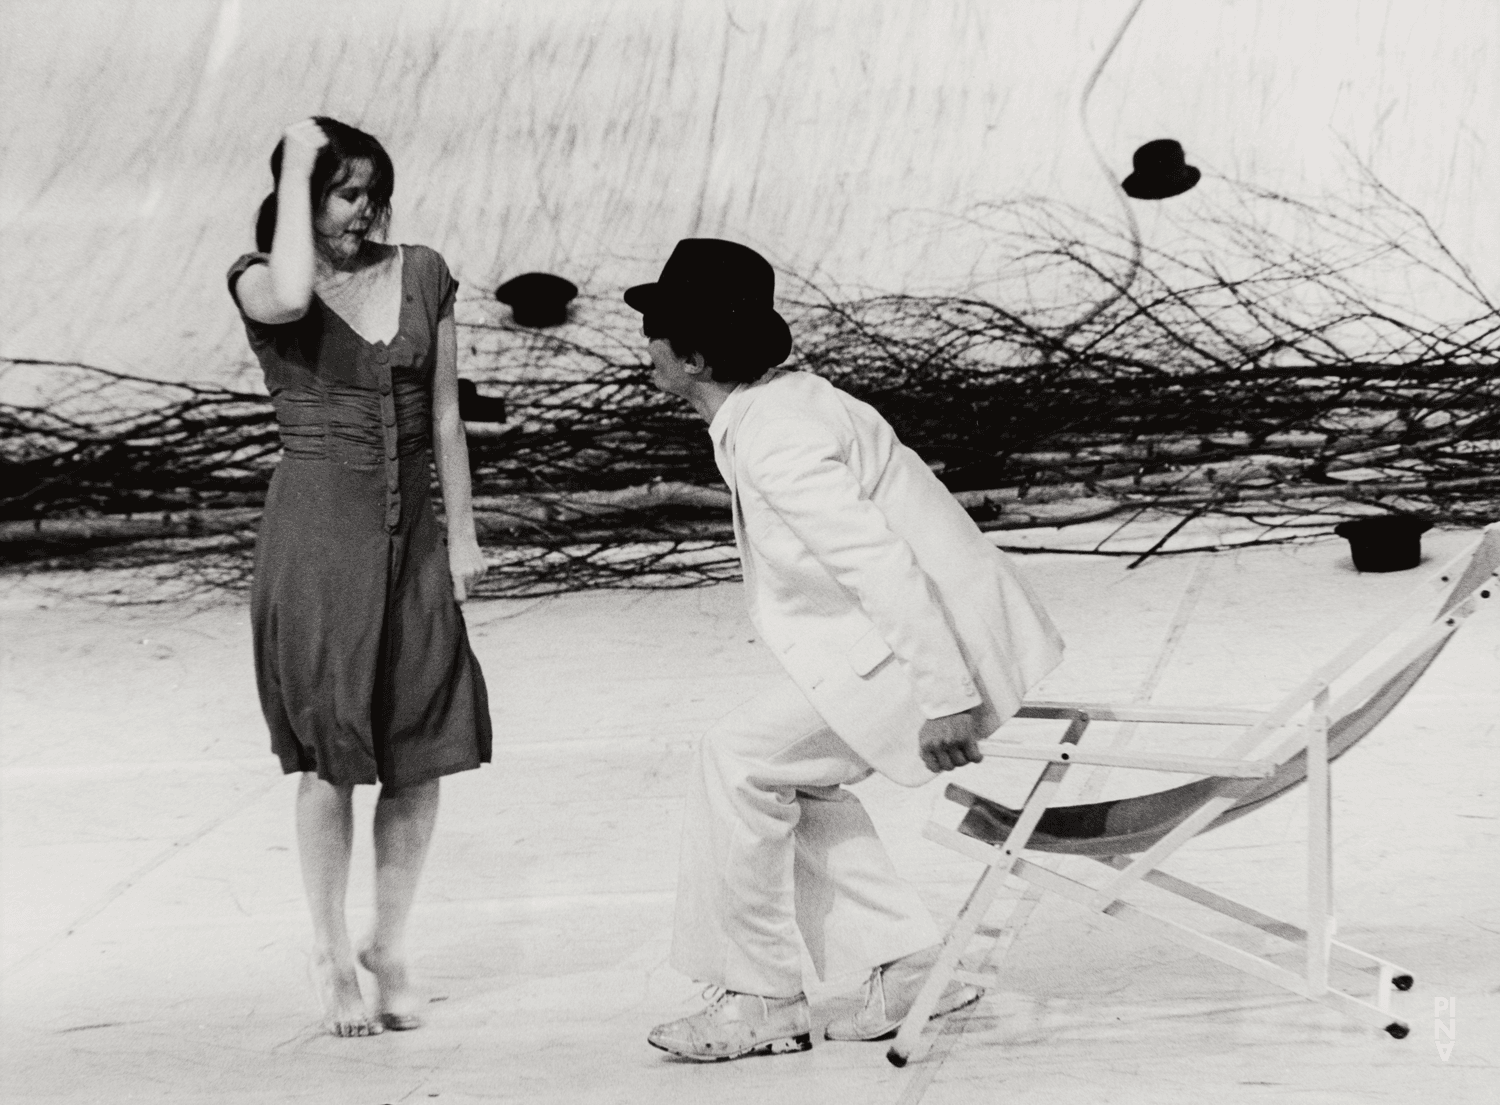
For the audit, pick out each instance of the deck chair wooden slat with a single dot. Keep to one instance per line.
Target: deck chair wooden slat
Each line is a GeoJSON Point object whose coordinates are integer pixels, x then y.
{"type": "Point", "coordinates": [1131, 836]}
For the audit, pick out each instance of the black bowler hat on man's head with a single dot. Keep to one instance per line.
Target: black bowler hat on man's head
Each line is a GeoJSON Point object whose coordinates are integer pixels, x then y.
{"type": "Point", "coordinates": [1161, 171]}
{"type": "Point", "coordinates": [1384, 542]}
{"type": "Point", "coordinates": [722, 290]}
{"type": "Point", "coordinates": [537, 298]}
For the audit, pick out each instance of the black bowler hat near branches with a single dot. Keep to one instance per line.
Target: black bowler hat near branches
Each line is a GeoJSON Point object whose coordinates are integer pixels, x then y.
{"type": "Point", "coordinates": [537, 298]}
{"type": "Point", "coordinates": [1385, 542]}
{"type": "Point", "coordinates": [721, 289]}
{"type": "Point", "coordinates": [1161, 170]}
{"type": "Point", "coordinates": [473, 407]}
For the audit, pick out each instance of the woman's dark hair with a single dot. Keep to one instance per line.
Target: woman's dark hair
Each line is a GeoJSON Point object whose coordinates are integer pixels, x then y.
{"type": "Point", "coordinates": [345, 144]}
{"type": "Point", "coordinates": [730, 360]}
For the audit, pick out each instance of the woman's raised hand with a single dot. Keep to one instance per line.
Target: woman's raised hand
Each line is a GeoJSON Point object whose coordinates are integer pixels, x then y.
{"type": "Point", "coordinates": [303, 140]}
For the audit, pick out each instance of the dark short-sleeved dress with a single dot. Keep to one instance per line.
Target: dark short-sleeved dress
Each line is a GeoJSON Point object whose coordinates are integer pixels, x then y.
{"type": "Point", "coordinates": [361, 656]}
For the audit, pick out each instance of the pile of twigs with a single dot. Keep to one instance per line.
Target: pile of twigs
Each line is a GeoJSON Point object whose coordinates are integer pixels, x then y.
{"type": "Point", "coordinates": [1284, 363]}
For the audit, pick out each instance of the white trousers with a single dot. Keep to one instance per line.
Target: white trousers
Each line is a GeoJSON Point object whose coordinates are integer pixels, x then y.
{"type": "Point", "coordinates": [773, 847]}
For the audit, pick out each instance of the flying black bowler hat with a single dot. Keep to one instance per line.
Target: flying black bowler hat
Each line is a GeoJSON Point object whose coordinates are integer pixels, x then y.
{"type": "Point", "coordinates": [1385, 542]}
{"type": "Point", "coordinates": [719, 288]}
{"type": "Point", "coordinates": [537, 298]}
{"type": "Point", "coordinates": [1161, 171]}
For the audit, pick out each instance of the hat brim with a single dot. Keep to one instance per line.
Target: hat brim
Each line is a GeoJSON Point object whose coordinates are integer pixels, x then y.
{"type": "Point", "coordinates": [643, 297]}
{"type": "Point", "coordinates": [1151, 186]}
{"type": "Point", "coordinates": [539, 316]}
{"type": "Point", "coordinates": [1381, 527]}
{"type": "Point", "coordinates": [533, 291]}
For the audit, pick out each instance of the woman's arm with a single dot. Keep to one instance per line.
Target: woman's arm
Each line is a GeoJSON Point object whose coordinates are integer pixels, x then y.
{"type": "Point", "coordinates": [451, 452]}
{"type": "Point", "coordinates": [281, 290]}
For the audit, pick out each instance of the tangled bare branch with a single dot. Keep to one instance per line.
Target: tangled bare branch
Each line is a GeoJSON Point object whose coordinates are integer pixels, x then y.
{"type": "Point", "coordinates": [1282, 362]}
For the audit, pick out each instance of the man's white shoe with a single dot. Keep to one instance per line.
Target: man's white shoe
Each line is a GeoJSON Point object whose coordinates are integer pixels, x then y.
{"type": "Point", "coordinates": [889, 993]}
{"type": "Point", "coordinates": [736, 1024]}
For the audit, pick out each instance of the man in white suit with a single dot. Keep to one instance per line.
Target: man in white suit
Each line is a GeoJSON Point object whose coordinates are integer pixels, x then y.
{"type": "Point", "coordinates": [905, 636]}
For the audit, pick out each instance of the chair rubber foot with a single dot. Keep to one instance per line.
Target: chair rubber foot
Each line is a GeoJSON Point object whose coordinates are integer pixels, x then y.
{"type": "Point", "coordinates": [1397, 1030]}
{"type": "Point", "coordinates": [896, 1058]}
{"type": "Point", "coordinates": [1402, 982]}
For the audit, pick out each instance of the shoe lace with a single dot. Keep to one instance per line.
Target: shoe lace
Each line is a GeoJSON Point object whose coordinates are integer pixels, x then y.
{"type": "Point", "coordinates": [717, 997]}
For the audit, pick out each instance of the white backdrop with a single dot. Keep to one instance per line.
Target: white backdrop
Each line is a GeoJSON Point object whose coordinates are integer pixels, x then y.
{"type": "Point", "coordinates": [846, 139]}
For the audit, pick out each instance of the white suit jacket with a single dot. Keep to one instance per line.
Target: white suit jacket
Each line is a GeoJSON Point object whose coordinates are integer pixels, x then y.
{"type": "Point", "coordinates": [880, 596]}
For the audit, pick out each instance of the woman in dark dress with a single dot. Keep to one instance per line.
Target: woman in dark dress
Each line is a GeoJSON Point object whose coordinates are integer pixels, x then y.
{"type": "Point", "coordinates": [361, 657]}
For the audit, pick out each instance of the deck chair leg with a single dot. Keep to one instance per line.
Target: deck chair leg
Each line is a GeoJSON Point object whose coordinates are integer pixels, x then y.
{"type": "Point", "coordinates": [1320, 921]}
{"type": "Point", "coordinates": [1391, 975]}
{"type": "Point", "coordinates": [1215, 948]}
{"type": "Point", "coordinates": [998, 863]}
{"type": "Point", "coordinates": [984, 974]}
{"type": "Point", "coordinates": [981, 898]}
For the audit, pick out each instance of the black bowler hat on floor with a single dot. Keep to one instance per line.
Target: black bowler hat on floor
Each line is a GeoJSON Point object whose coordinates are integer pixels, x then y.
{"type": "Point", "coordinates": [722, 290]}
{"type": "Point", "coordinates": [473, 407]}
{"type": "Point", "coordinates": [1385, 542]}
{"type": "Point", "coordinates": [537, 298]}
{"type": "Point", "coordinates": [1161, 171]}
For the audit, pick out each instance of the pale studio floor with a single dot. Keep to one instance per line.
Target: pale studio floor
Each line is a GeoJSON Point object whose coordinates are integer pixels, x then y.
{"type": "Point", "coordinates": [155, 939]}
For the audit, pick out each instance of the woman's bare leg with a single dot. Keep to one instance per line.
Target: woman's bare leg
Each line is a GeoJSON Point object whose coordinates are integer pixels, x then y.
{"type": "Point", "coordinates": [325, 835]}
{"type": "Point", "coordinates": [404, 817]}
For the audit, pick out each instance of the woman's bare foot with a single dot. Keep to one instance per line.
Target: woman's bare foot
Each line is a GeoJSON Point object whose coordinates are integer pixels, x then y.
{"type": "Point", "coordinates": [338, 989]}
{"type": "Point", "coordinates": [395, 1004]}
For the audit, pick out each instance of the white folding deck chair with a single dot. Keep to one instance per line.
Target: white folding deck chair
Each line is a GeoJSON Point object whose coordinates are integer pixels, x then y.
{"type": "Point", "coordinates": [1316, 723]}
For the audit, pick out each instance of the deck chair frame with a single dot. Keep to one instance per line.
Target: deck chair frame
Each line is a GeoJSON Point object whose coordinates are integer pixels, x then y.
{"type": "Point", "coordinates": [1306, 711]}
